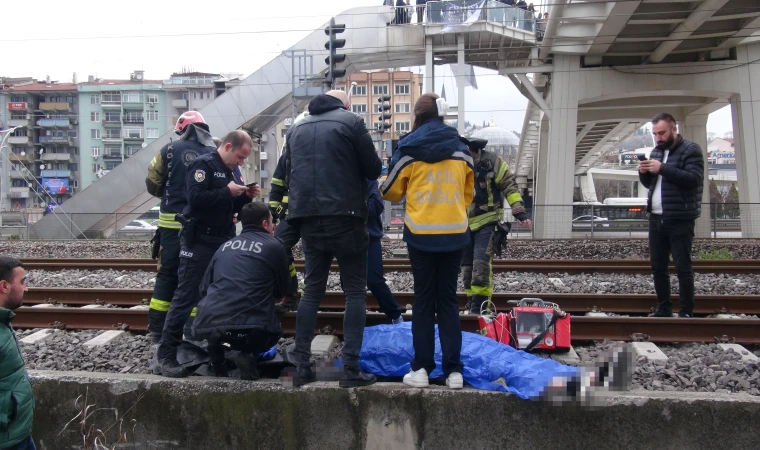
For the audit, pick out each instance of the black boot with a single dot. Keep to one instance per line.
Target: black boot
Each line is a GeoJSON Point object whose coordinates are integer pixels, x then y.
{"type": "Point", "coordinates": [477, 303]}
{"type": "Point", "coordinates": [248, 365]}
{"type": "Point", "coordinates": [468, 305]}
{"type": "Point", "coordinates": [220, 371]}
{"type": "Point", "coordinates": [169, 367]}
{"type": "Point", "coordinates": [354, 377]}
{"type": "Point", "coordinates": [289, 303]}
{"type": "Point", "coordinates": [297, 377]}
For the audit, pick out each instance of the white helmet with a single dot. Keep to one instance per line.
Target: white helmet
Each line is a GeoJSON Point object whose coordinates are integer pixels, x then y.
{"type": "Point", "coordinates": [300, 117]}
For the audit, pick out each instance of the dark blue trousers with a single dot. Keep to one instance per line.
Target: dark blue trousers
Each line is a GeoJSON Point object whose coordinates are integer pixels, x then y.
{"type": "Point", "coordinates": [376, 281]}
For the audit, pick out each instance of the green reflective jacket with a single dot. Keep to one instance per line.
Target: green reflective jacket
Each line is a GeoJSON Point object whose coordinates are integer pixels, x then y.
{"type": "Point", "coordinates": [16, 398]}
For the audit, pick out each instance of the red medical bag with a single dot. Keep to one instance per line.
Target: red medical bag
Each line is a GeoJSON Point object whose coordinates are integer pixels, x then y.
{"type": "Point", "coordinates": [531, 325]}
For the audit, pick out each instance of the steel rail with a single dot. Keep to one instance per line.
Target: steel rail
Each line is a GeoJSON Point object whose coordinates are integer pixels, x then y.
{"type": "Point", "coordinates": [572, 303]}
{"type": "Point", "coordinates": [744, 331]}
{"type": "Point", "coordinates": [396, 264]}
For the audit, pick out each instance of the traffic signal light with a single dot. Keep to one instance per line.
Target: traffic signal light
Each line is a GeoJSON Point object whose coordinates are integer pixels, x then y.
{"type": "Point", "coordinates": [334, 59]}
{"type": "Point", "coordinates": [385, 112]}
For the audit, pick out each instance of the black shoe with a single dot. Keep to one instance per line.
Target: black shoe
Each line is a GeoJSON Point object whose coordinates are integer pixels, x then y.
{"type": "Point", "coordinates": [660, 313]}
{"type": "Point", "coordinates": [247, 363]}
{"type": "Point", "coordinates": [220, 371]}
{"type": "Point", "coordinates": [477, 304]}
{"type": "Point", "coordinates": [685, 315]}
{"type": "Point", "coordinates": [356, 378]}
{"type": "Point", "coordinates": [617, 367]}
{"type": "Point", "coordinates": [169, 367]}
{"type": "Point", "coordinates": [302, 376]}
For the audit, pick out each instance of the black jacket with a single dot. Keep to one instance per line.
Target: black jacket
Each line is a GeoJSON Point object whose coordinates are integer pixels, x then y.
{"type": "Point", "coordinates": [682, 180]}
{"type": "Point", "coordinates": [167, 172]}
{"type": "Point", "coordinates": [329, 157]}
{"type": "Point", "coordinates": [240, 286]}
{"type": "Point", "coordinates": [376, 210]}
{"type": "Point", "coordinates": [209, 200]}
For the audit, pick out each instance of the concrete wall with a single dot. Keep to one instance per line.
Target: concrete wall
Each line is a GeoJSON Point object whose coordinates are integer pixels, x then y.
{"type": "Point", "coordinates": [203, 413]}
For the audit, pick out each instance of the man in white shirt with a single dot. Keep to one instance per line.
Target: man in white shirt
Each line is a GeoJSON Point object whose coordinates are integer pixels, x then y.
{"type": "Point", "coordinates": [674, 175]}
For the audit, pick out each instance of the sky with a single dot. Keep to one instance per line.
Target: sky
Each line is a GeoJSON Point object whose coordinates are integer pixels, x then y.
{"type": "Point", "coordinates": [161, 37]}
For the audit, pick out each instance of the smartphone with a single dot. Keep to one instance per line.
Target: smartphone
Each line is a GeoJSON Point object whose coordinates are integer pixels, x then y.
{"type": "Point", "coordinates": [641, 157]}
{"type": "Point", "coordinates": [251, 185]}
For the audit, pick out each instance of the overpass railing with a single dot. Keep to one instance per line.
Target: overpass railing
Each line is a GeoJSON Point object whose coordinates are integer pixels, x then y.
{"type": "Point", "coordinates": [463, 12]}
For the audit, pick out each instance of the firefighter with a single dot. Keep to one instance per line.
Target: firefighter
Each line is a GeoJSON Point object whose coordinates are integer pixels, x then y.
{"type": "Point", "coordinates": [215, 193]}
{"type": "Point", "coordinates": [493, 182]}
{"type": "Point", "coordinates": [166, 180]}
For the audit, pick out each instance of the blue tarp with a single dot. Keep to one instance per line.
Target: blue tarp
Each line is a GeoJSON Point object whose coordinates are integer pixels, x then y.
{"type": "Point", "coordinates": [387, 351]}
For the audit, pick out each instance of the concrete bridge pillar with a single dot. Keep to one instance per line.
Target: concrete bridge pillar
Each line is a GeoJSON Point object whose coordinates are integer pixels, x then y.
{"type": "Point", "coordinates": [695, 130]}
{"type": "Point", "coordinates": [745, 109]}
{"type": "Point", "coordinates": [556, 153]}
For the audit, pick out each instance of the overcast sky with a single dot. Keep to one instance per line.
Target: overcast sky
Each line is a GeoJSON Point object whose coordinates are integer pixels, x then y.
{"type": "Point", "coordinates": [58, 38]}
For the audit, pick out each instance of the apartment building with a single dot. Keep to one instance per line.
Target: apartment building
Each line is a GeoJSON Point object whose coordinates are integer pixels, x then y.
{"type": "Point", "coordinates": [42, 168]}
{"type": "Point", "coordinates": [117, 118]}
{"type": "Point", "coordinates": [192, 91]}
{"type": "Point", "coordinates": [404, 87]}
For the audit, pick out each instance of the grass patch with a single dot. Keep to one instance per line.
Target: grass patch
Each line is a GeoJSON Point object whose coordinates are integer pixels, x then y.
{"type": "Point", "coordinates": [720, 253]}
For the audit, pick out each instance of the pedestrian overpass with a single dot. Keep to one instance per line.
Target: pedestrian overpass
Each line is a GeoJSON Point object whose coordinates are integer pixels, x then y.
{"type": "Point", "coordinates": [490, 39]}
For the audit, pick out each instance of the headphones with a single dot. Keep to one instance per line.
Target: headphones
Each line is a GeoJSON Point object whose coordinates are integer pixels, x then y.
{"type": "Point", "coordinates": [442, 106]}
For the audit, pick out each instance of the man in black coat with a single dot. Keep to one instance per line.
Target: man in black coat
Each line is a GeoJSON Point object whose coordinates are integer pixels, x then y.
{"type": "Point", "coordinates": [239, 289]}
{"type": "Point", "coordinates": [330, 156]}
{"type": "Point", "coordinates": [674, 175]}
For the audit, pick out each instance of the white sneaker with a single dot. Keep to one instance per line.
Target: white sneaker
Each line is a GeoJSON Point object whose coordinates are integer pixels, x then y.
{"type": "Point", "coordinates": [418, 379]}
{"type": "Point", "coordinates": [455, 381]}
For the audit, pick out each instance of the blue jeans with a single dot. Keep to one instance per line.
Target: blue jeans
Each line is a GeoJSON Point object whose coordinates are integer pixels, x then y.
{"type": "Point", "coordinates": [435, 292]}
{"type": "Point", "coordinates": [376, 281]}
{"type": "Point", "coordinates": [346, 239]}
{"type": "Point", "coordinates": [26, 444]}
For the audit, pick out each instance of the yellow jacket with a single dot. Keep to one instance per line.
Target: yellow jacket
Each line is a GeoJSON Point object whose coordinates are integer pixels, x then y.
{"type": "Point", "coordinates": [433, 169]}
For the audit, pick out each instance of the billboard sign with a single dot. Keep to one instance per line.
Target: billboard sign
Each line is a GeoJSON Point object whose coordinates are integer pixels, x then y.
{"type": "Point", "coordinates": [55, 186]}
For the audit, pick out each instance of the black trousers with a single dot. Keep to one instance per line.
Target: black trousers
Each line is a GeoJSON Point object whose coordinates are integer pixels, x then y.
{"type": "Point", "coordinates": [166, 280]}
{"type": "Point", "coordinates": [435, 292]}
{"type": "Point", "coordinates": [672, 237]}
{"type": "Point", "coordinates": [254, 341]}
{"type": "Point", "coordinates": [289, 234]}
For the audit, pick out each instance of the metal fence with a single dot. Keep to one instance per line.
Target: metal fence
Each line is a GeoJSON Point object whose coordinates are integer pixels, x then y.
{"type": "Point", "coordinates": [580, 221]}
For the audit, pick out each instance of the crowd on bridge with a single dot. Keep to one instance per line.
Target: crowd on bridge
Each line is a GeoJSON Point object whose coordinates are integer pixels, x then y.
{"type": "Point", "coordinates": [329, 189]}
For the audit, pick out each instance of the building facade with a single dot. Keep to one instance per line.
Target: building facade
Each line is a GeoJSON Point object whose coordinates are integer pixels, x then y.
{"type": "Point", "coordinates": [42, 166]}
{"type": "Point", "coordinates": [192, 91]}
{"type": "Point", "coordinates": [117, 118]}
{"type": "Point", "coordinates": [404, 88]}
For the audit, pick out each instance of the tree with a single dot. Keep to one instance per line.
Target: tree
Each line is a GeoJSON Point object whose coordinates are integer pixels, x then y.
{"type": "Point", "coordinates": [716, 200]}
{"type": "Point", "coordinates": [732, 202]}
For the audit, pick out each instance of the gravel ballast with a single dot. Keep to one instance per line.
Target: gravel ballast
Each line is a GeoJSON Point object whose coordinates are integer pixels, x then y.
{"type": "Point", "coordinates": [622, 248]}
{"type": "Point", "coordinates": [704, 283]}
{"type": "Point", "coordinates": [691, 367]}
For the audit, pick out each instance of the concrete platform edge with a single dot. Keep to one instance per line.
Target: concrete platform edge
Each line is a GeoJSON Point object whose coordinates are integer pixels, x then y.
{"type": "Point", "coordinates": [210, 413]}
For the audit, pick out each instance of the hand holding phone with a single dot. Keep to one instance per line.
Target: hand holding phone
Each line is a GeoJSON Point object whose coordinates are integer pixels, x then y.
{"type": "Point", "coordinates": [641, 157]}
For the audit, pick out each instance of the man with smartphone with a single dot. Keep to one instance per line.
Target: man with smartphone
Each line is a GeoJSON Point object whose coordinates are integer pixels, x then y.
{"type": "Point", "coordinates": [674, 175]}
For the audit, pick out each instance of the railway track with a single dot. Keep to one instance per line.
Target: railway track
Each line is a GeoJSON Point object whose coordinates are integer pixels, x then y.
{"type": "Point", "coordinates": [744, 331]}
{"type": "Point", "coordinates": [572, 303]}
{"type": "Point", "coordinates": [628, 266]}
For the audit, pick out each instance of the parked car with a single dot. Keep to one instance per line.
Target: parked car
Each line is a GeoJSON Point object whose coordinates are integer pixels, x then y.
{"type": "Point", "coordinates": [139, 225]}
{"type": "Point", "coordinates": [589, 221]}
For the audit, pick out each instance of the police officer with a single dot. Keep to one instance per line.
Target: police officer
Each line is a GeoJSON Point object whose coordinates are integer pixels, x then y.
{"type": "Point", "coordinates": [245, 276]}
{"type": "Point", "coordinates": [215, 193]}
{"type": "Point", "coordinates": [493, 182]}
{"type": "Point", "coordinates": [166, 180]}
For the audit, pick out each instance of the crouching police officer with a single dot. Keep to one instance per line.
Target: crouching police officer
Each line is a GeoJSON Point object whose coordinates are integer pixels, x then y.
{"type": "Point", "coordinates": [493, 182]}
{"type": "Point", "coordinates": [215, 193]}
{"type": "Point", "coordinates": [166, 180]}
{"type": "Point", "coordinates": [239, 289]}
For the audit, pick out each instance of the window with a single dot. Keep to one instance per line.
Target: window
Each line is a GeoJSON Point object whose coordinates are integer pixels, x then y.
{"type": "Point", "coordinates": [359, 90]}
{"type": "Point", "coordinates": [113, 133]}
{"type": "Point", "coordinates": [183, 95]}
{"type": "Point", "coordinates": [19, 117]}
{"type": "Point", "coordinates": [94, 134]}
{"type": "Point", "coordinates": [133, 133]}
{"type": "Point", "coordinates": [19, 99]}
{"type": "Point", "coordinates": [378, 126]}
{"type": "Point", "coordinates": [402, 127]}
{"type": "Point", "coordinates": [131, 150]}
{"type": "Point", "coordinates": [73, 167]}
{"type": "Point", "coordinates": [94, 117]}
{"type": "Point", "coordinates": [113, 151]}
{"type": "Point", "coordinates": [112, 117]}
{"type": "Point", "coordinates": [151, 115]}
{"type": "Point", "coordinates": [72, 133]}
{"type": "Point", "coordinates": [110, 165]}
{"type": "Point", "coordinates": [195, 95]}
{"type": "Point", "coordinates": [95, 152]}
{"type": "Point", "coordinates": [95, 99]}
{"type": "Point", "coordinates": [111, 97]}
{"type": "Point", "coordinates": [359, 109]}
{"type": "Point", "coordinates": [402, 107]}
{"type": "Point", "coordinates": [402, 89]}
{"type": "Point", "coordinates": [75, 183]}
{"type": "Point", "coordinates": [132, 97]}
{"type": "Point", "coordinates": [376, 108]}
{"type": "Point", "coordinates": [151, 133]}
{"type": "Point", "coordinates": [341, 88]}
{"type": "Point", "coordinates": [95, 168]}
{"type": "Point", "coordinates": [380, 89]}
{"type": "Point", "coordinates": [151, 98]}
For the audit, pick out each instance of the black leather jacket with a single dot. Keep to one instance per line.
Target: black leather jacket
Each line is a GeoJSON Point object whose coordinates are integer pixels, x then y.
{"type": "Point", "coordinates": [329, 158]}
